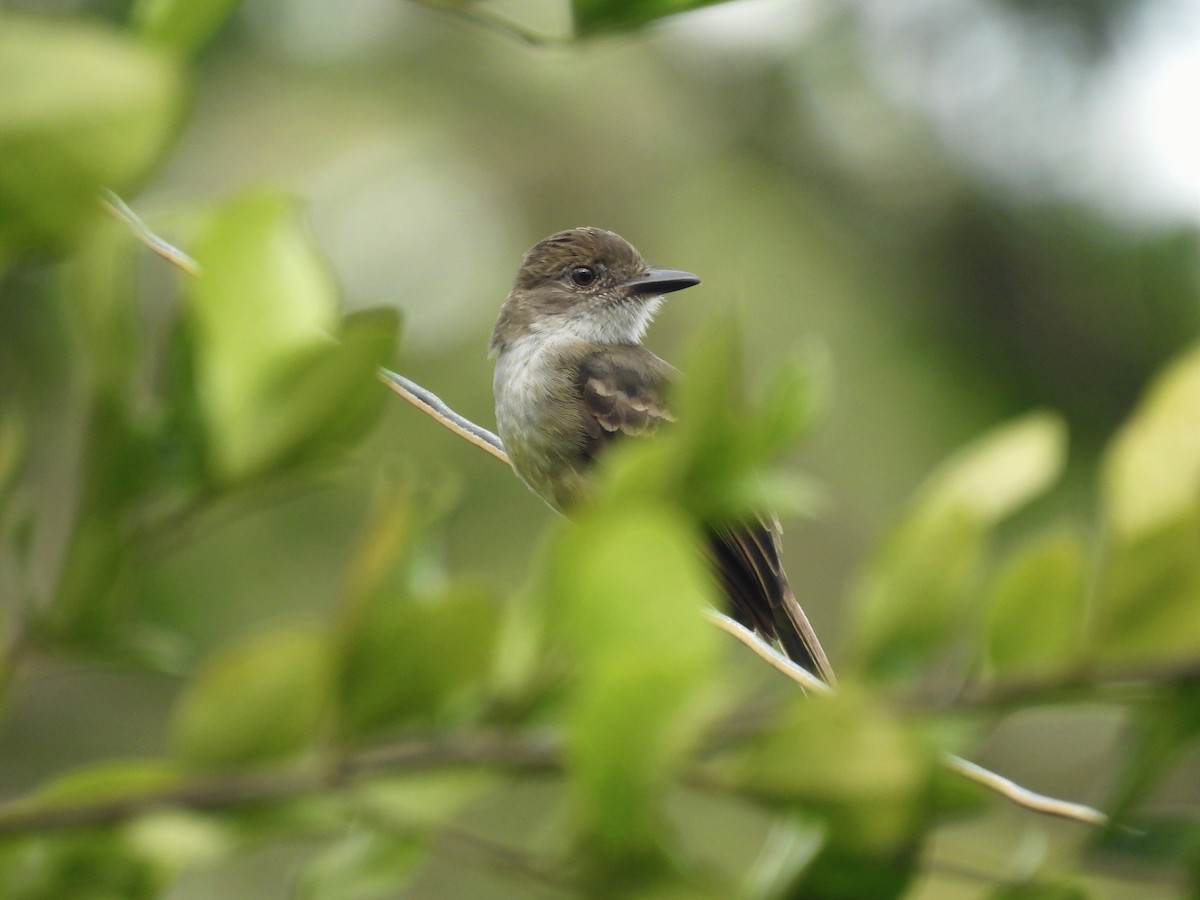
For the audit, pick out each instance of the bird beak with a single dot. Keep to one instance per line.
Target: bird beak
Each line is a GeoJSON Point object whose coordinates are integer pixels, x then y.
{"type": "Point", "coordinates": [660, 281]}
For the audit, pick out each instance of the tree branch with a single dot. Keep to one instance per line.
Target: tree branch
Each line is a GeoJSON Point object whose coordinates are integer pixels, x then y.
{"type": "Point", "coordinates": [524, 754]}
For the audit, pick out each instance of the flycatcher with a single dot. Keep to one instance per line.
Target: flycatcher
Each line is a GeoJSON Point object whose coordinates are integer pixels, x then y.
{"type": "Point", "coordinates": [572, 377]}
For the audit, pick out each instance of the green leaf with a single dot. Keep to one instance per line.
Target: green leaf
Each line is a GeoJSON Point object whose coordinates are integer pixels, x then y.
{"type": "Point", "coordinates": [996, 475]}
{"type": "Point", "coordinates": [593, 16]}
{"type": "Point", "coordinates": [625, 592]}
{"type": "Point", "coordinates": [278, 375]}
{"type": "Point", "coordinates": [847, 759]}
{"type": "Point", "coordinates": [910, 597]}
{"type": "Point", "coordinates": [1148, 597]}
{"type": "Point", "coordinates": [365, 865]}
{"type": "Point", "coordinates": [106, 781]}
{"type": "Point", "coordinates": [257, 700]}
{"type": "Point", "coordinates": [408, 655]}
{"type": "Point", "coordinates": [1037, 609]}
{"type": "Point", "coordinates": [1165, 729]}
{"type": "Point", "coordinates": [83, 108]}
{"type": "Point", "coordinates": [416, 659]}
{"type": "Point", "coordinates": [1151, 475]}
{"type": "Point", "coordinates": [84, 866]}
{"type": "Point", "coordinates": [184, 25]}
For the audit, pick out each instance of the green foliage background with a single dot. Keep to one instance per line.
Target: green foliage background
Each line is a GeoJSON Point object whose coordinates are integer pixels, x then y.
{"type": "Point", "coordinates": [268, 632]}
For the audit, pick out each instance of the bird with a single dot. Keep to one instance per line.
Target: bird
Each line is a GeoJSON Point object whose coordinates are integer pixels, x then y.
{"type": "Point", "coordinates": [572, 378]}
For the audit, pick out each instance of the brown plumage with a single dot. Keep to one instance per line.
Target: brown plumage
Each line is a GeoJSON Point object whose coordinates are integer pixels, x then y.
{"type": "Point", "coordinates": [572, 377]}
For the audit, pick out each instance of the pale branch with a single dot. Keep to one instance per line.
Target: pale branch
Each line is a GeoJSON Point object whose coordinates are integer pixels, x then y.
{"type": "Point", "coordinates": [196, 795]}
{"type": "Point", "coordinates": [767, 653]}
{"type": "Point", "coordinates": [434, 407]}
{"type": "Point", "coordinates": [169, 252]}
{"type": "Point", "coordinates": [1050, 806]}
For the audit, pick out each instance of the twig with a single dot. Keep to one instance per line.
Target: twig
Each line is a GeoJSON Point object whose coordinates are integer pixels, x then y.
{"type": "Point", "coordinates": [169, 252]}
{"type": "Point", "coordinates": [434, 407]}
{"type": "Point", "coordinates": [1051, 806]}
{"type": "Point", "coordinates": [767, 653]}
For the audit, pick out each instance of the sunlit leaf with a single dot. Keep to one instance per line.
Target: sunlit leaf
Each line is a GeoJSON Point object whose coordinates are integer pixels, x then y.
{"type": "Point", "coordinates": [364, 865]}
{"type": "Point", "coordinates": [82, 108]}
{"type": "Point", "coordinates": [1152, 473]}
{"type": "Point", "coordinates": [1165, 728]}
{"type": "Point", "coordinates": [910, 597]}
{"type": "Point", "coordinates": [1037, 611]}
{"type": "Point", "coordinates": [276, 370]}
{"type": "Point", "coordinates": [996, 475]}
{"type": "Point", "coordinates": [260, 699]}
{"type": "Point", "coordinates": [185, 25]}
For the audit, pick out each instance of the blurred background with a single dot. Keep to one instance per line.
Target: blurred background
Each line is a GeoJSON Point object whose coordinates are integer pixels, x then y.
{"type": "Point", "coordinates": [968, 208]}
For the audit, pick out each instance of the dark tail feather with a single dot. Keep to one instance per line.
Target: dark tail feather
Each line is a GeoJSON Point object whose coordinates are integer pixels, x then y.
{"type": "Point", "coordinates": [747, 561]}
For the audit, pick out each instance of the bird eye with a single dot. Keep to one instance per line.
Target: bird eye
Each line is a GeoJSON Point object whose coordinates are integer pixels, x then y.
{"type": "Point", "coordinates": [583, 275]}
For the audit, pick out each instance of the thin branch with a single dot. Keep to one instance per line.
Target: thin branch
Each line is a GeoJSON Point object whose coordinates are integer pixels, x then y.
{"type": "Point", "coordinates": [518, 754]}
{"type": "Point", "coordinates": [1050, 806]}
{"type": "Point", "coordinates": [768, 654]}
{"type": "Point", "coordinates": [169, 252]}
{"type": "Point", "coordinates": [434, 407]}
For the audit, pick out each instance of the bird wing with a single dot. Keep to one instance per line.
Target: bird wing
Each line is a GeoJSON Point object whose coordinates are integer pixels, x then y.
{"type": "Point", "coordinates": [621, 393]}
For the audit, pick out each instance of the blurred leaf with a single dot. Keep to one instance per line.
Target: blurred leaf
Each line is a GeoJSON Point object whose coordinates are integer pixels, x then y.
{"type": "Point", "coordinates": [1144, 839]}
{"type": "Point", "coordinates": [592, 16]}
{"type": "Point", "coordinates": [256, 700]}
{"type": "Point", "coordinates": [106, 781]}
{"type": "Point", "coordinates": [848, 760]}
{"type": "Point", "coordinates": [416, 659]}
{"type": "Point", "coordinates": [1151, 475]}
{"type": "Point", "coordinates": [426, 799]}
{"type": "Point", "coordinates": [82, 108]}
{"type": "Point", "coordinates": [1040, 890]}
{"type": "Point", "coordinates": [173, 840]}
{"type": "Point", "coordinates": [185, 25]}
{"type": "Point", "coordinates": [364, 865]}
{"type": "Point", "coordinates": [114, 464]}
{"type": "Point", "coordinates": [92, 865]}
{"type": "Point", "coordinates": [997, 474]}
{"type": "Point", "coordinates": [847, 873]}
{"type": "Point", "coordinates": [407, 655]}
{"type": "Point", "coordinates": [1037, 609]}
{"type": "Point", "coordinates": [1164, 729]}
{"type": "Point", "coordinates": [625, 593]}
{"type": "Point", "coordinates": [910, 597]}
{"type": "Point", "coordinates": [1149, 594]}
{"type": "Point", "coordinates": [265, 323]}
{"type": "Point", "coordinates": [712, 461]}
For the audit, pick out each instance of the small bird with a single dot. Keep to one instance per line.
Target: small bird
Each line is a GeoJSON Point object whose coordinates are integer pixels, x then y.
{"type": "Point", "coordinates": [572, 377]}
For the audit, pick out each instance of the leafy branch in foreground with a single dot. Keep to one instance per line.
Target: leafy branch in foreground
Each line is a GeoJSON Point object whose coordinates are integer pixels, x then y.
{"type": "Point", "coordinates": [417, 698]}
